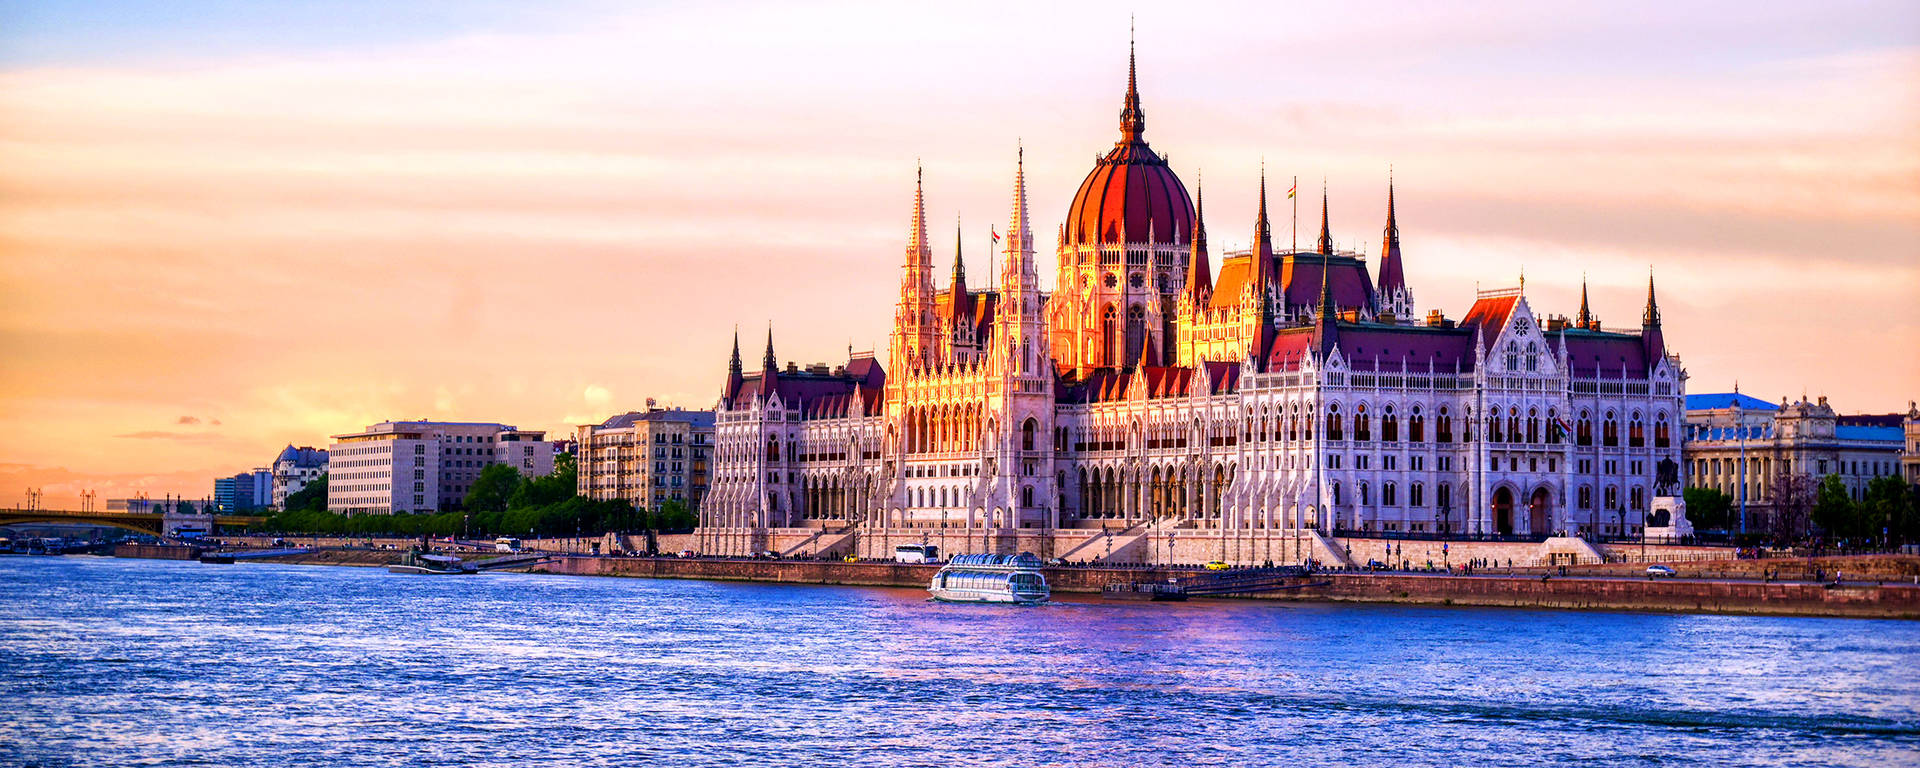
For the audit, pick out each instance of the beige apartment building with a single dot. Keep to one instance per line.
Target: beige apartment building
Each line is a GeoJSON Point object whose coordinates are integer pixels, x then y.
{"type": "Point", "coordinates": [425, 466]}
{"type": "Point", "coordinates": [647, 457]}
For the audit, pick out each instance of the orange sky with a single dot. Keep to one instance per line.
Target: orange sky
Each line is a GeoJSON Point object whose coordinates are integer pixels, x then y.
{"type": "Point", "coordinates": [208, 254]}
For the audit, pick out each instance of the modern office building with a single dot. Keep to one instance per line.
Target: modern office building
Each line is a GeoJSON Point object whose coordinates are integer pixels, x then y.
{"type": "Point", "coordinates": [243, 492]}
{"type": "Point", "coordinates": [426, 466]}
{"type": "Point", "coordinates": [646, 457]}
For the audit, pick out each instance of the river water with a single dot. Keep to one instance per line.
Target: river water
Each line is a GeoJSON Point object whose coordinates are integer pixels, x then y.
{"type": "Point", "coordinates": [136, 662]}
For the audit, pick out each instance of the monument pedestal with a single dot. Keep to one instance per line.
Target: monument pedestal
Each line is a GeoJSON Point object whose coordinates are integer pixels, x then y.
{"type": "Point", "coordinates": [1667, 519]}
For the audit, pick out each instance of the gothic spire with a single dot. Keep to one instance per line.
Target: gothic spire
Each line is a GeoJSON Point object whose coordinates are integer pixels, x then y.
{"type": "Point", "coordinates": [1199, 271]}
{"type": "Point", "coordinates": [1326, 235]}
{"type": "Point", "coordinates": [1652, 316]}
{"type": "Point", "coordinates": [1585, 318]}
{"type": "Point", "coordinates": [1262, 251]}
{"type": "Point", "coordinates": [959, 264]}
{"type": "Point", "coordinates": [733, 367]}
{"type": "Point", "coordinates": [769, 363]}
{"type": "Point", "coordinates": [917, 228]}
{"type": "Point", "coordinates": [1392, 274]}
{"type": "Point", "coordinates": [1133, 120]}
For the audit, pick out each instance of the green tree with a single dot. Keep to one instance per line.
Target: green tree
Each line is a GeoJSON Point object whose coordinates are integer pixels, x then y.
{"type": "Point", "coordinates": [183, 507]}
{"type": "Point", "coordinates": [311, 497]}
{"type": "Point", "coordinates": [493, 488]}
{"type": "Point", "coordinates": [1833, 509]}
{"type": "Point", "coordinates": [1888, 508]}
{"type": "Point", "coordinates": [1709, 508]}
{"type": "Point", "coordinates": [674, 516]}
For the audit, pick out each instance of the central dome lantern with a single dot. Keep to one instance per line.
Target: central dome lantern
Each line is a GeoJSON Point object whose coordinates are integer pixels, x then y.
{"type": "Point", "coordinates": [1131, 194]}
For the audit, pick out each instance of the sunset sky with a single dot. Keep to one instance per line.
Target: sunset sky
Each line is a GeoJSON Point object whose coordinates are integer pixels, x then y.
{"type": "Point", "coordinates": [230, 226]}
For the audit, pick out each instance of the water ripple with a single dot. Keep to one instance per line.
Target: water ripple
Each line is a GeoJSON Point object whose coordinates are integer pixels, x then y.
{"type": "Point", "coordinates": [120, 662]}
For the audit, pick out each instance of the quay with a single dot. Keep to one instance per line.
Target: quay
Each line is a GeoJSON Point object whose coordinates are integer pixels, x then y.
{"type": "Point", "coordinates": [1875, 586]}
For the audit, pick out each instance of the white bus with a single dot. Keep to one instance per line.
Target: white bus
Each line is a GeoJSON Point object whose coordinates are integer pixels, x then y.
{"type": "Point", "coordinates": [916, 553]}
{"type": "Point", "coordinates": [506, 544]}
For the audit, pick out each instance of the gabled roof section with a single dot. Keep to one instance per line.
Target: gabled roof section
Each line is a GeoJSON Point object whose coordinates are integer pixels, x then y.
{"type": "Point", "coordinates": [1489, 315]}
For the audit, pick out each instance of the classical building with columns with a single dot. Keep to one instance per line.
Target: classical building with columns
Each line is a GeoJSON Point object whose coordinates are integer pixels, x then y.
{"type": "Point", "coordinates": [1280, 393]}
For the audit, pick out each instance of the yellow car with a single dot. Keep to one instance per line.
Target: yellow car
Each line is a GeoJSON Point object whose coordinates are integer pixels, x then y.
{"type": "Point", "coordinates": [850, 559]}
{"type": "Point", "coordinates": [1217, 566]}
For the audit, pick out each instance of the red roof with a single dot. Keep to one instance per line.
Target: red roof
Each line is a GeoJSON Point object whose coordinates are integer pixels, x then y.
{"type": "Point", "coordinates": [1489, 315]}
{"type": "Point", "coordinates": [1300, 277]}
{"type": "Point", "coordinates": [1131, 190]}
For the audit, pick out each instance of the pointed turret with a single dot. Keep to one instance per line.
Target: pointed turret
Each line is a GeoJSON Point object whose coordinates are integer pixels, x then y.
{"type": "Point", "coordinates": [959, 264]}
{"type": "Point", "coordinates": [1326, 235]}
{"type": "Point", "coordinates": [1651, 317]}
{"type": "Point", "coordinates": [1393, 293]}
{"type": "Point", "coordinates": [1324, 332]}
{"type": "Point", "coordinates": [1199, 270]}
{"type": "Point", "coordinates": [734, 372]}
{"type": "Point", "coordinates": [1584, 320]}
{"type": "Point", "coordinates": [733, 366]}
{"type": "Point", "coordinates": [769, 367]}
{"type": "Point", "coordinates": [1020, 322]}
{"type": "Point", "coordinates": [1262, 252]}
{"type": "Point", "coordinates": [913, 323]}
{"type": "Point", "coordinates": [1651, 338]}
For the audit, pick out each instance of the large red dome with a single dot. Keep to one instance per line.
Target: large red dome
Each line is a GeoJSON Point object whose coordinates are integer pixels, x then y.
{"type": "Point", "coordinates": [1131, 190]}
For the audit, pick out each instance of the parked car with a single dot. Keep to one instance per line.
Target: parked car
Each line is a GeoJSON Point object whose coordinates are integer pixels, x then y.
{"type": "Point", "coordinates": [1217, 566]}
{"type": "Point", "coordinates": [1055, 561]}
{"type": "Point", "coordinates": [1660, 570]}
{"type": "Point", "coordinates": [686, 553]}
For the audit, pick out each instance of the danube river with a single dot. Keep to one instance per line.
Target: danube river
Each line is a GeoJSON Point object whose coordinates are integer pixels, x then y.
{"type": "Point", "coordinates": [134, 662]}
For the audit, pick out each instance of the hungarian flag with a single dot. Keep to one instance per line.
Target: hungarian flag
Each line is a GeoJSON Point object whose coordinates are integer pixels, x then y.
{"type": "Point", "coordinates": [1292, 190]}
{"type": "Point", "coordinates": [996, 235]}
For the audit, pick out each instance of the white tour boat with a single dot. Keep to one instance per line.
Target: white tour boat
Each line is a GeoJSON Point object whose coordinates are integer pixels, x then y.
{"type": "Point", "coordinates": [991, 579]}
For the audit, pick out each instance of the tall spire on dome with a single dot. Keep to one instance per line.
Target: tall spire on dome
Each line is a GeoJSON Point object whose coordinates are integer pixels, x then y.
{"type": "Point", "coordinates": [1133, 120]}
{"type": "Point", "coordinates": [1326, 235]}
{"type": "Point", "coordinates": [1262, 246]}
{"type": "Point", "coordinates": [769, 363]}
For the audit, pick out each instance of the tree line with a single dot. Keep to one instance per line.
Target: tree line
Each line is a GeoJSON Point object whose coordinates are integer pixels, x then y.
{"type": "Point", "coordinates": [1802, 507]}
{"type": "Point", "coordinates": [501, 502]}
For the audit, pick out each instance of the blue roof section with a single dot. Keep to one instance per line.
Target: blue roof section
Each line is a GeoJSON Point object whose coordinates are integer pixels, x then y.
{"type": "Point", "coordinates": [1718, 400]}
{"type": "Point", "coordinates": [1893, 435]}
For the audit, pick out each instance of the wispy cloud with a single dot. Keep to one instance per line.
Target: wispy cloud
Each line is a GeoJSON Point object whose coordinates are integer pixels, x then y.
{"type": "Point", "coordinates": [164, 435]}
{"type": "Point", "coordinates": [544, 223]}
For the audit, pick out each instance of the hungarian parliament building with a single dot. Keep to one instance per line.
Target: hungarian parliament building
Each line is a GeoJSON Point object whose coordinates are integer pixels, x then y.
{"type": "Point", "coordinates": [1279, 391]}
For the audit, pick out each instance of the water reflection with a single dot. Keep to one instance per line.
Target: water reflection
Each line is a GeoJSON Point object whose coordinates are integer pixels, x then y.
{"type": "Point", "coordinates": [119, 662]}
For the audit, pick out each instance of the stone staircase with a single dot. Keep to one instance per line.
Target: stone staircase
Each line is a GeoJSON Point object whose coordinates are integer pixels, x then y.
{"type": "Point", "coordinates": [1094, 549]}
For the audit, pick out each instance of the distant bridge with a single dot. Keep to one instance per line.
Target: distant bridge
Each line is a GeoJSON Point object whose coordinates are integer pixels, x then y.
{"type": "Point", "coordinates": [150, 523]}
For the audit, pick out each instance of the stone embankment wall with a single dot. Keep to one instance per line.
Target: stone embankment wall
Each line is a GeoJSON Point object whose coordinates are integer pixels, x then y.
{"type": "Point", "coordinates": [157, 551]}
{"type": "Point", "coordinates": [1900, 601]}
{"type": "Point", "coordinates": [1624, 593]}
